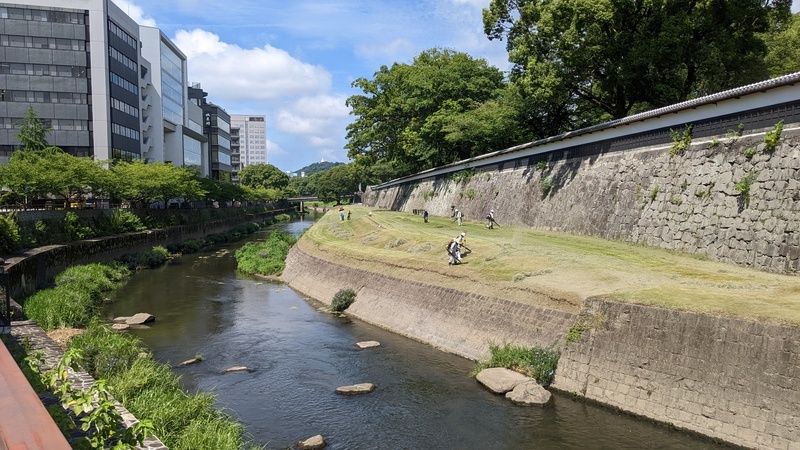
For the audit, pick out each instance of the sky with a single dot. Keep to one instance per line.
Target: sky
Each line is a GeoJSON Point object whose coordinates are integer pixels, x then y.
{"type": "Point", "coordinates": [294, 61]}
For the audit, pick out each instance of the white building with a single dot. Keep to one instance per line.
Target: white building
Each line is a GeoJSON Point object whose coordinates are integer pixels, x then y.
{"type": "Point", "coordinates": [252, 139]}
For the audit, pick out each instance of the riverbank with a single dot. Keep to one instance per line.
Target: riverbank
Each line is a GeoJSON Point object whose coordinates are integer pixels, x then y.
{"type": "Point", "coordinates": [703, 346]}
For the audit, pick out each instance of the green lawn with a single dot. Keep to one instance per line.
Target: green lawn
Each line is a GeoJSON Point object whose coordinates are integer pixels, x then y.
{"type": "Point", "coordinates": [550, 269]}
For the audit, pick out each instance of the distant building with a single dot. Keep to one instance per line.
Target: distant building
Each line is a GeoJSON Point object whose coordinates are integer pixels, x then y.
{"type": "Point", "coordinates": [252, 139]}
{"type": "Point", "coordinates": [217, 129]}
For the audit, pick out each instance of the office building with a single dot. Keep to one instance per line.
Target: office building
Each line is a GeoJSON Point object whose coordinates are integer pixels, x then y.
{"type": "Point", "coordinates": [217, 129]}
{"type": "Point", "coordinates": [252, 139]}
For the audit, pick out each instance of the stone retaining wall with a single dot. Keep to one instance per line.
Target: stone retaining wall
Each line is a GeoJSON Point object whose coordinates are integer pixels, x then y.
{"type": "Point", "coordinates": [451, 320]}
{"type": "Point", "coordinates": [733, 380]}
{"type": "Point", "coordinates": [35, 268]}
{"type": "Point", "coordinates": [688, 202]}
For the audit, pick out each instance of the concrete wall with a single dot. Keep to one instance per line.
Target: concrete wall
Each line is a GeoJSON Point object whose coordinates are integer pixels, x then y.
{"type": "Point", "coordinates": [685, 202]}
{"type": "Point", "coordinates": [35, 268]}
{"type": "Point", "coordinates": [733, 380]}
{"type": "Point", "coordinates": [451, 320]}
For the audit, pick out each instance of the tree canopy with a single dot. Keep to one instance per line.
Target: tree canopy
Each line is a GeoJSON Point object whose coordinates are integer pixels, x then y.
{"type": "Point", "coordinates": [579, 62]}
{"type": "Point", "coordinates": [420, 115]}
{"type": "Point", "coordinates": [265, 176]}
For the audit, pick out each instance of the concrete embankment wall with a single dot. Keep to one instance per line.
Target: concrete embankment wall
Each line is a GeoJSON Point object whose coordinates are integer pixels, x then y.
{"type": "Point", "coordinates": [37, 267]}
{"type": "Point", "coordinates": [448, 319]}
{"type": "Point", "coordinates": [687, 202]}
{"type": "Point", "coordinates": [733, 380]}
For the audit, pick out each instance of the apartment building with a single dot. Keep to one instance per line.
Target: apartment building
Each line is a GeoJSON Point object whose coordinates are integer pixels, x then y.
{"type": "Point", "coordinates": [217, 129]}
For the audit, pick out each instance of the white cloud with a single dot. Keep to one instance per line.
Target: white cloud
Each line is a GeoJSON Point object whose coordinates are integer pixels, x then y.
{"type": "Point", "coordinates": [275, 150]}
{"type": "Point", "coordinates": [136, 13]}
{"type": "Point", "coordinates": [319, 119]}
{"type": "Point", "coordinates": [233, 74]}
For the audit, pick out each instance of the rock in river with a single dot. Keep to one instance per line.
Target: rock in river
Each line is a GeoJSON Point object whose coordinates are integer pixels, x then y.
{"type": "Point", "coordinates": [313, 443]}
{"type": "Point", "coordinates": [529, 393]}
{"type": "Point", "coordinates": [368, 344]}
{"type": "Point", "coordinates": [237, 369]}
{"type": "Point", "coordinates": [356, 389]}
{"type": "Point", "coordinates": [500, 380]}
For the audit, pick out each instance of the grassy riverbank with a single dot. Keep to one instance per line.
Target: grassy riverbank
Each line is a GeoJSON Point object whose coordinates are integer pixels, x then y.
{"type": "Point", "coordinates": [550, 269]}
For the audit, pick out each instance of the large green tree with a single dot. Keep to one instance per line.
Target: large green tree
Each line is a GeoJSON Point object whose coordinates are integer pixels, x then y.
{"type": "Point", "coordinates": [51, 171]}
{"type": "Point", "coordinates": [264, 176]}
{"type": "Point", "coordinates": [337, 183]}
{"type": "Point", "coordinates": [577, 62]}
{"type": "Point", "coordinates": [140, 182]}
{"type": "Point", "coordinates": [413, 115]}
{"type": "Point", "coordinates": [784, 47]}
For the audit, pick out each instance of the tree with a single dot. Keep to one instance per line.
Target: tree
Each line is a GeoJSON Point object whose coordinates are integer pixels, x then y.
{"type": "Point", "coordinates": [139, 182]}
{"type": "Point", "coordinates": [578, 62]}
{"type": "Point", "coordinates": [32, 134]}
{"type": "Point", "coordinates": [407, 112]}
{"type": "Point", "coordinates": [784, 48]}
{"type": "Point", "coordinates": [337, 183]}
{"type": "Point", "coordinates": [264, 176]}
{"type": "Point", "coordinates": [51, 171]}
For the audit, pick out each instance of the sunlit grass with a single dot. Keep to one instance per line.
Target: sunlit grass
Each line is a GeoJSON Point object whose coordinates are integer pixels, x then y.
{"type": "Point", "coordinates": [549, 268]}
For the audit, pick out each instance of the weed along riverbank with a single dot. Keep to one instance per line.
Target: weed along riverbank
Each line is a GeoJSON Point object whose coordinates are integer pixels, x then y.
{"type": "Point", "coordinates": [112, 390]}
{"type": "Point", "coordinates": [700, 345]}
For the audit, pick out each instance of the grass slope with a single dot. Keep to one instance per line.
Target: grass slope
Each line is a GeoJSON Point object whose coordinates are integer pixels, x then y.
{"type": "Point", "coordinates": [550, 269]}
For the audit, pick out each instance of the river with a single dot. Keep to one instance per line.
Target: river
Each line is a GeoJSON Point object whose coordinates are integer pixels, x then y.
{"type": "Point", "coordinates": [424, 399]}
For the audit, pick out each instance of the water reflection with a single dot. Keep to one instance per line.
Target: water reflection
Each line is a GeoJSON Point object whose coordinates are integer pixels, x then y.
{"type": "Point", "coordinates": [424, 398]}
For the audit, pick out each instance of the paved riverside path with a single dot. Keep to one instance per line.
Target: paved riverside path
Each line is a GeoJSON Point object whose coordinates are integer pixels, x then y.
{"type": "Point", "coordinates": [550, 269]}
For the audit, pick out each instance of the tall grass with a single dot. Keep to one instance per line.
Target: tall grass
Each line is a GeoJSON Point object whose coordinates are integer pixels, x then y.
{"type": "Point", "coordinates": [182, 421]}
{"type": "Point", "coordinates": [76, 298]}
{"type": "Point", "coordinates": [535, 362]}
{"type": "Point", "coordinates": [267, 257]}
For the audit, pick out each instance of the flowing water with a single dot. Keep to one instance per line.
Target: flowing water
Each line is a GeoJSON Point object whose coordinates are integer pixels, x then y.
{"type": "Point", "coordinates": [424, 397]}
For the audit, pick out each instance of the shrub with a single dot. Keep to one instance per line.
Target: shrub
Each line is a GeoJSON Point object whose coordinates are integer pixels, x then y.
{"type": "Point", "coordinates": [743, 187]}
{"type": "Point", "coordinates": [533, 361]}
{"type": "Point", "coordinates": [265, 258]}
{"type": "Point", "coordinates": [9, 233]}
{"type": "Point", "coordinates": [146, 260]}
{"type": "Point", "coordinates": [773, 137]}
{"type": "Point", "coordinates": [343, 299]}
{"type": "Point", "coordinates": [122, 221]}
{"type": "Point", "coordinates": [546, 184]}
{"type": "Point", "coordinates": [680, 141]}
{"type": "Point", "coordinates": [74, 229]}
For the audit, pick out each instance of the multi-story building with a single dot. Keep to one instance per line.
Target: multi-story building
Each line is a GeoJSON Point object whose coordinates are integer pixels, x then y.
{"type": "Point", "coordinates": [105, 86]}
{"type": "Point", "coordinates": [252, 139]}
{"type": "Point", "coordinates": [235, 162]}
{"type": "Point", "coordinates": [78, 65]}
{"type": "Point", "coordinates": [217, 129]}
{"type": "Point", "coordinates": [171, 132]}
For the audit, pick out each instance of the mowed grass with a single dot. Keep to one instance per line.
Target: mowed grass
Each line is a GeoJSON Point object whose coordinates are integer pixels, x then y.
{"type": "Point", "coordinates": [550, 269]}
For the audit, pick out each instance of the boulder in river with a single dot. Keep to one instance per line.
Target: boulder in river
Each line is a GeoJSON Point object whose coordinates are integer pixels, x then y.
{"type": "Point", "coordinates": [120, 327]}
{"type": "Point", "coordinates": [313, 443]}
{"type": "Point", "coordinates": [356, 389]}
{"type": "Point", "coordinates": [237, 369]}
{"type": "Point", "coordinates": [136, 319]}
{"type": "Point", "coordinates": [499, 379]}
{"type": "Point", "coordinates": [529, 393]}
{"type": "Point", "coordinates": [368, 344]}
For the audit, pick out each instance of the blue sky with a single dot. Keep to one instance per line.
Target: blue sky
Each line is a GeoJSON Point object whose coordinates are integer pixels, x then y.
{"type": "Point", "coordinates": [293, 61]}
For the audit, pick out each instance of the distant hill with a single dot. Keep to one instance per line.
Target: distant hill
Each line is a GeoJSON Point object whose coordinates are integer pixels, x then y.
{"type": "Point", "coordinates": [318, 167]}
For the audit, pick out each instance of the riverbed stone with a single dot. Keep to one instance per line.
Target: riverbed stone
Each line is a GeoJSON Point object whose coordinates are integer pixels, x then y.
{"type": "Point", "coordinates": [120, 327]}
{"type": "Point", "coordinates": [499, 379]}
{"type": "Point", "coordinates": [189, 362]}
{"type": "Point", "coordinates": [140, 319]}
{"type": "Point", "coordinates": [529, 393]}
{"type": "Point", "coordinates": [313, 443]}
{"type": "Point", "coordinates": [356, 389]}
{"type": "Point", "coordinates": [368, 344]}
{"type": "Point", "coordinates": [237, 369]}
